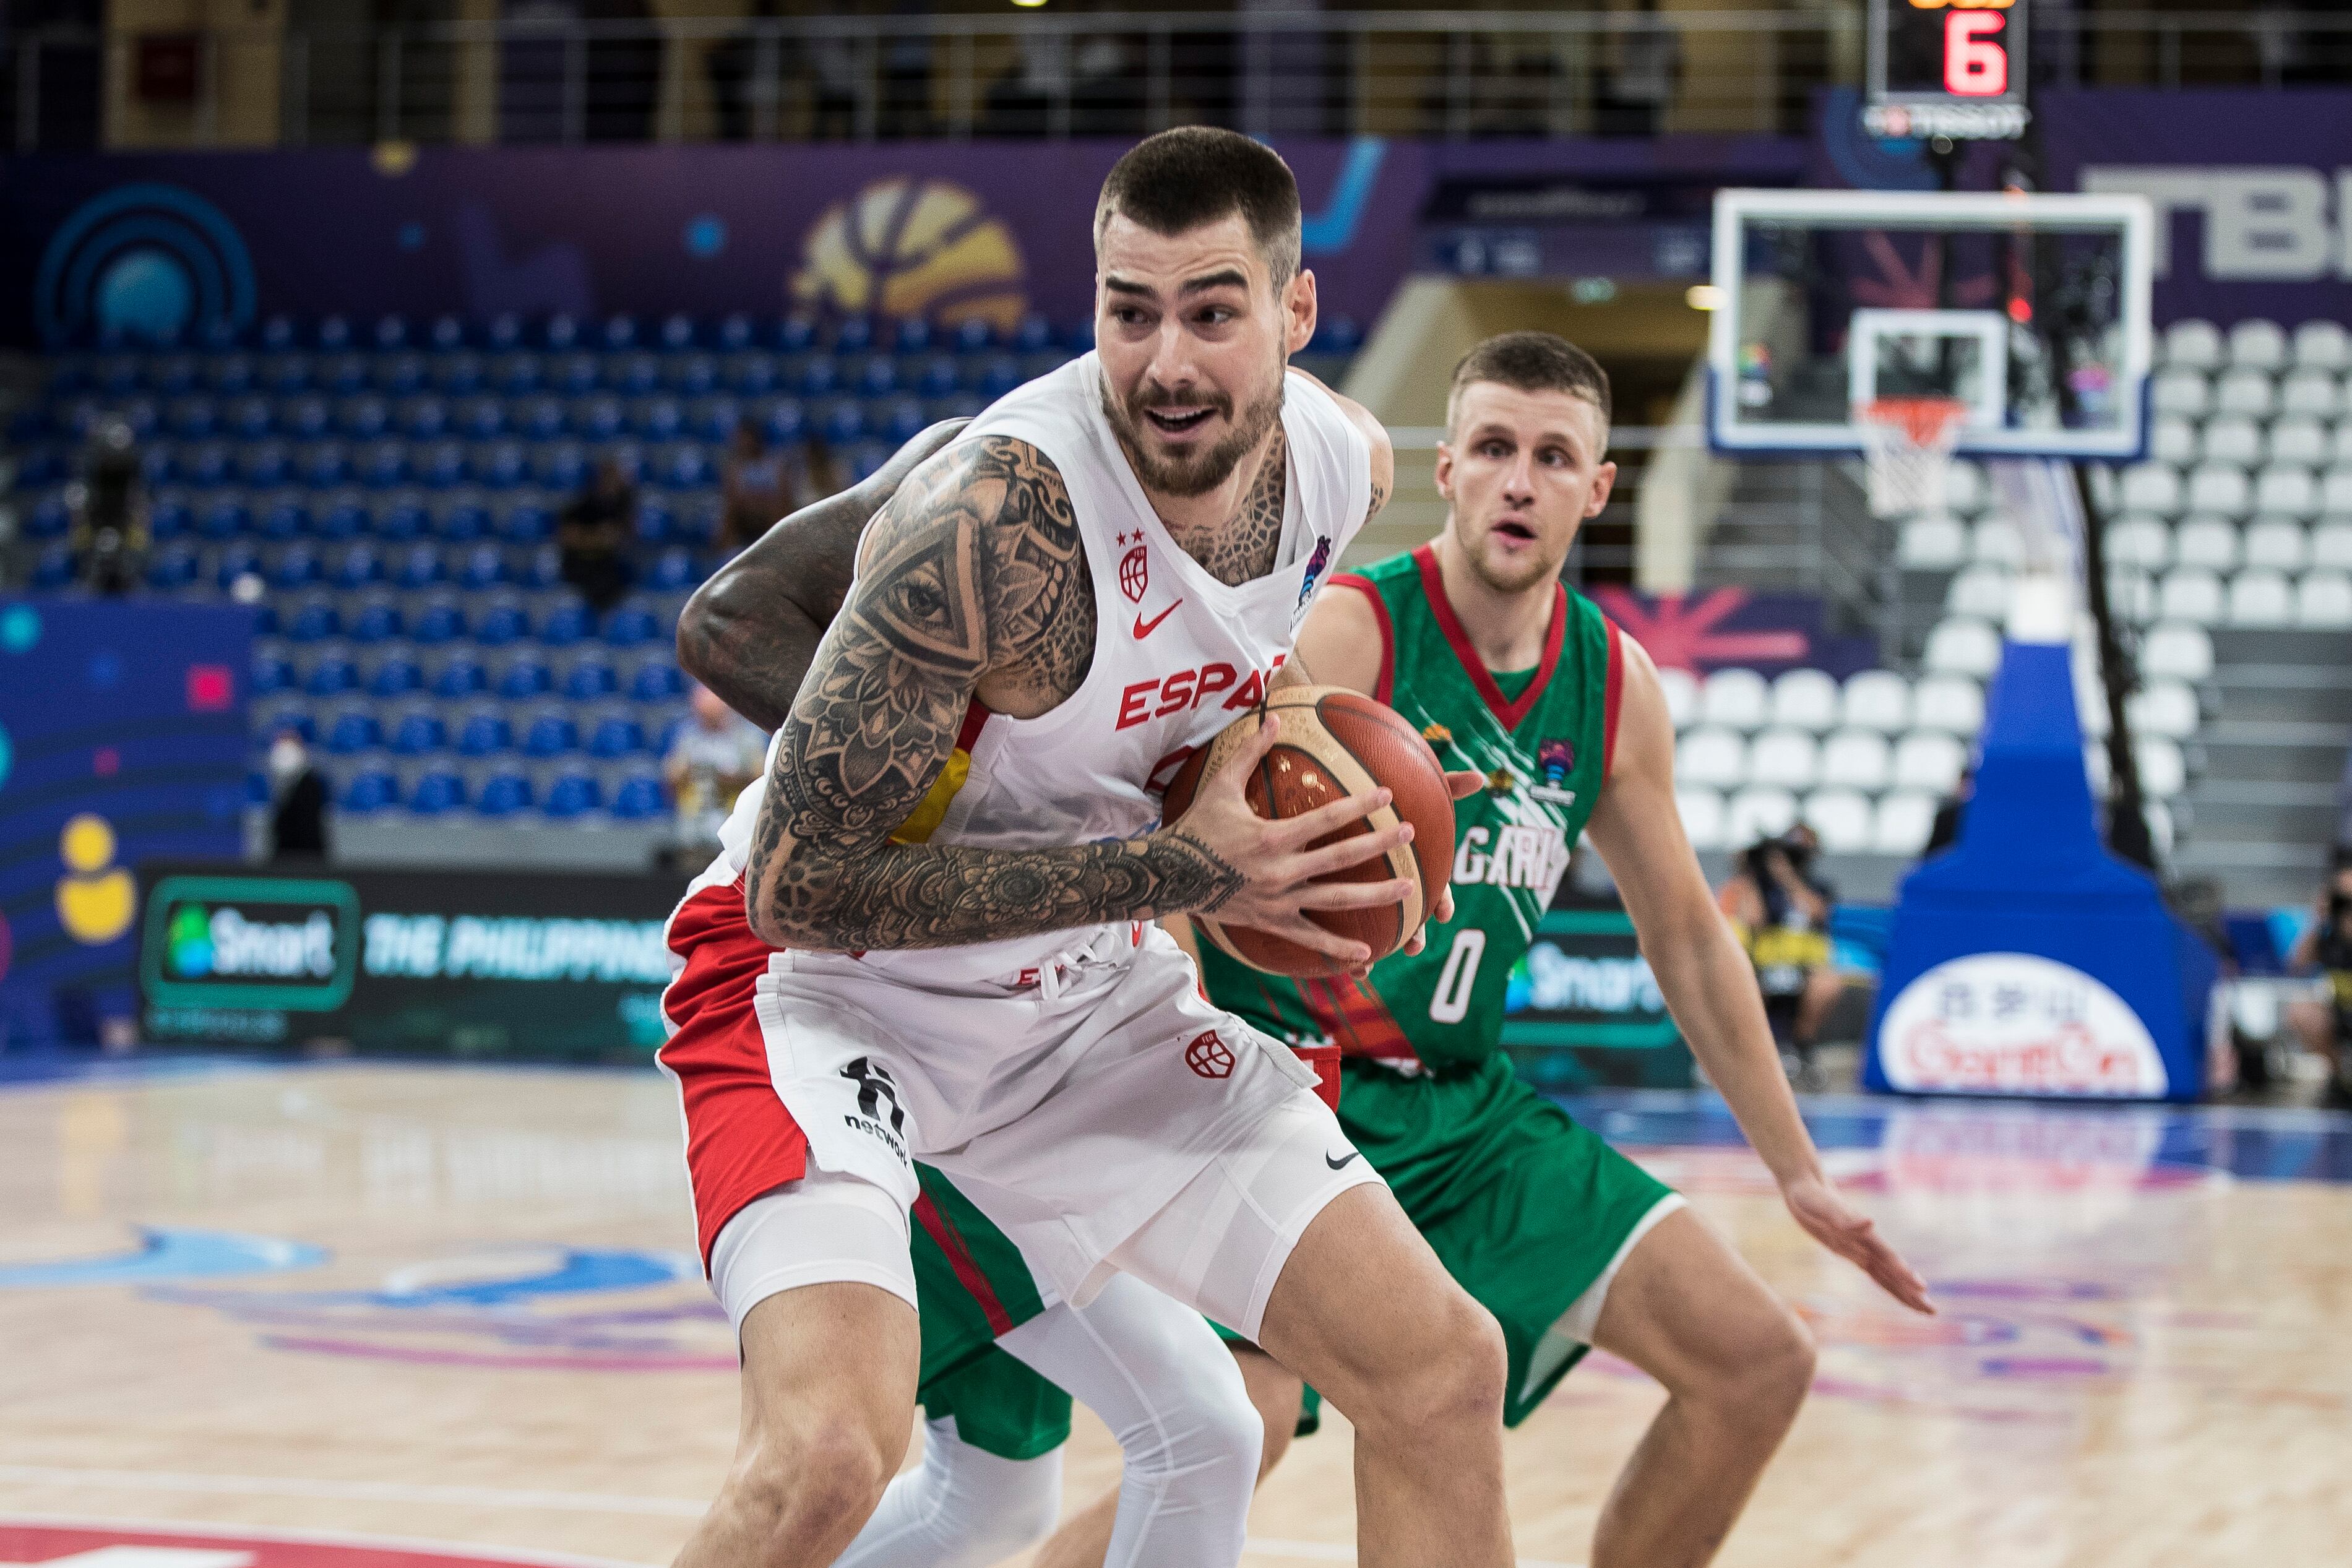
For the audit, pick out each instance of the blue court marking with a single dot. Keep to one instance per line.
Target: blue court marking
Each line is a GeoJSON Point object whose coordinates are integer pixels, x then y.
{"type": "Point", "coordinates": [167, 1254]}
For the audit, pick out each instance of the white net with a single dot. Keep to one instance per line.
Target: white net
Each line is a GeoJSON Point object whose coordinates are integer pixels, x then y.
{"type": "Point", "coordinates": [1909, 442]}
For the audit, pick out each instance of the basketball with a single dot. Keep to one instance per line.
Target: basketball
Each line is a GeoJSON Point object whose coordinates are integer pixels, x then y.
{"type": "Point", "coordinates": [1336, 743]}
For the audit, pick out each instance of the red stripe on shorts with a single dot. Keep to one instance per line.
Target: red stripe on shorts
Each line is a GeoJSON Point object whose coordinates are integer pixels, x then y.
{"type": "Point", "coordinates": [740, 1142]}
{"type": "Point", "coordinates": [967, 1268]}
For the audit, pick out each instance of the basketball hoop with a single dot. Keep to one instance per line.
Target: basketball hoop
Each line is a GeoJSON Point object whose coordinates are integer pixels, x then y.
{"type": "Point", "coordinates": [1909, 442]}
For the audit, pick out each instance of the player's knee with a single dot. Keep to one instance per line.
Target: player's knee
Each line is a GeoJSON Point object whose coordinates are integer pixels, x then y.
{"type": "Point", "coordinates": [1776, 1368]}
{"type": "Point", "coordinates": [1455, 1380]}
{"type": "Point", "coordinates": [819, 1484]}
{"type": "Point", "coordinates": [1016, 1513]}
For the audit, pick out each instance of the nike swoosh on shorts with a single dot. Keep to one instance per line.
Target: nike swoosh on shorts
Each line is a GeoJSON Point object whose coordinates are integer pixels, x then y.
{"type": "Point", "coordinates": [1353, 1154]}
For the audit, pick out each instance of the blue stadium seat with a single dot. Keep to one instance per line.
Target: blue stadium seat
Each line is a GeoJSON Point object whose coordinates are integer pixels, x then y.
{"type": "Point", "coordinates": [400, 375]}
{"type": "Point", "coordinates": [250, 418]}
{"type": "Point", "coordinates": [419, 734]}
{"type": "Point", "coordinates": [795, 334]}
{"type": "Point", "coordinates": [353, 730]}
{"type": "Point", "coordinates": [656, 680]}
{"type": "Point", "coordinates": [41, 466]}
{"type": "Point", "coordinates": [295, 719]}
{"type": "Point", "coordinates": [845, 423]}
{"type": "Point", "coordinates": [502, 624]}
{"type": "Point", "coordinates": [287, 374]}
{"type": "Point", "coordinates": [484, 567]}
{"type": "Point", "coordinates": [236, 561]}
{"type": "Point", "coordinates": [686, 467]}
{"type": "Point", "coordinates": [463, 522]}
{"type": "Point", "coordinates": [541, 418]}
{"type": "Point", "coordinates": [595, 418]}
{"type": "Point", "coordinates": [525, 677]}
{"type": "Point", "coordinates": [573, 795]}
{"type": "Point", "coordinates": [716, 420]}
{"type": "Point", "coordinates": [566, 624]}
{"type": "Point", "coordinates": [907, 420]}
{"type": "Point", "coordinates": [785, 424]}
{"type": "Point", "coordinates": [192, 418]}
{"type": "Point", "coordinates": [485, 734]}
{"type": "Point", "coordinates": [420, 567]}
{"type": "Point", "coordinates": [483, 419]}
{"type": "Point", "coordinates": [694, 375]}
{"type": "Point", "coordinates": [396, 674]}
{"type": "Point", "coordinates": [378, 620]}
{"type": "Point", "coordinates": [653, 519]}
{"type": "Point", "coordinates": [591, 678]}
{"type": "Point", "coordinates": [391, 332]}
{"type": "Point", "coordinates": [698, 521]}
{"type": "Point", "coordinates": [658, 419]}
{"type": "Point", "coordinates": [630, 626]}
{"type": "Point", "coordinates": [273, 672]}
{"type": "Point", "coordinates": [521, 374]}
{"type": "Point", "coordinates": [973, 335]}
{"type": "Point", "coordinates": [504, 794]}
{"type": "Point", "coordinates": [1000, 376]}
{"type": "Point", "coordinates": [174, 376]}
{"type": "Point", "coordinates": [561, 468]}
{"type": "Point", "coordinates": [442, 467]}
{"type": "Point", "coordinates": [639, 798]}
{"type": "Point", "coordinates": [265, 618]}
{"type": "Point", "coordinates": [551, 735]}
{"type": "Point", "coordinates": [441, 621]}
{"type": "Point", "coordinates": [853, 334]}
{"type": "Point", "coordinates": [358, 567]}
{"type": "Point", "coordinates": [297, 566]}
{"type": "Point", "coordinates": [224, 519]}
{"type": "Point", "coordinates": [501, 465]}
{"type": "Point", "coordinates": [371, 789]}
{"type": "Point", "coordinates": [911, 336]}
{"type": "Point", "coordinates": [278, 333]}
{"type": "Point", "coordinates": [315, 620]}
{"type": "Point", "coordinates": [333, 333]}
{"type": "Point", "coordinates": [672, 728]}
{"type": "Point", "coordinates": [385, 465]}
{"type": "Point", "coordinates": [505, 331]}
{"type": "Point", "coordinates": [543, 568]}
{"type": "Point", "coordinates": [401, 521]}
{"type": "Point", "coordinates": [620, 332]}
{"type": "Point", "coordinates": [436, 792]}
{"type": "Point", "coordinates": [449, 334]}
{"type": "Point", "coordinates": [878, 379]}
{"type": "Point", "coordinates": [207, 466]}
{"type": "Point", "coordinates": [673, 570]}
{"type": "Point", "coordinates": [938, 378]}
{"type": "Point", "coordinates": [172, 567]}
{"type": "Point", "coordinates": [615, 735]}
{"type": "Point", "coordinates": [305, 418]}
{"type": "Point", "coordinates": [678, 331]}
{"type": "Point", "coordinates": [364, 418]}
{"type": "Point", "coordinates": [628, 460]}
{"type": "Point", "coordinates": [265, 464]}
{"type": "Point", "coordinates": [345, 517]}
{"type": "Point", "coordinates": [332, 675]}
{"type": "Point", "coordinates": [754, 375]}
{"type": "Point", "coordinates": [231, 374]}
{"type": "Point", "coordinates": [1033, 334]}
{"type": "Point", "coordinates": [156, 464]}
{"type": "Point", "coordinates": [736, 332]}
{"type": "Point", "coordinates": [575, 375]}
{"type": "Point", "coordinates": [560, 332]}
{"type": "Point", "coordinates": [458, 375]}
{"type": "Point", "coordinates": [121, 375]}
{"type": "Point", "coordinates": [635, 375]}
{"type": "Point", "coordinates": [50, 518]}
{"type": "Point", "coordinates": [326, 465]}
{"type": "Point", "coordinates": [424, 419]}
{"type": "Point", "coordinates": [817, 377]}
{"type": "Point", "coordinates": [525, 523]}
{"type": "Point", "coordinates": [460, 675]}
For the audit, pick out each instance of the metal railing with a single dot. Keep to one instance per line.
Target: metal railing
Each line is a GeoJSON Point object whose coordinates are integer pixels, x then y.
{"type": "Point", "coordinates": [1450, 74]}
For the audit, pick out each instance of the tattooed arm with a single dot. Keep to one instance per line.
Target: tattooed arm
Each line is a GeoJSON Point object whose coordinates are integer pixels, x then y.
{"type": "Point", "coordinates": [750, 632]}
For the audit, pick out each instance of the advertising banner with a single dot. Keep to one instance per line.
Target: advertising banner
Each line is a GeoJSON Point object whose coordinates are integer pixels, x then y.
{"type": "Point", "coordinates": [498, 964]}
{"type": "Point", "coordinates": [1582, 1008]}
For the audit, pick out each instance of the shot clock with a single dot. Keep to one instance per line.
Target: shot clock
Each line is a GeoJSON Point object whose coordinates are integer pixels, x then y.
{"type": "Point", "coordinates": [1953, 68]}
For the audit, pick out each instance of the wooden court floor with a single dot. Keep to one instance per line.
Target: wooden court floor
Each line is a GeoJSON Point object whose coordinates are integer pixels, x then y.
{"type": "Point", "coordinates": [457, 1304]}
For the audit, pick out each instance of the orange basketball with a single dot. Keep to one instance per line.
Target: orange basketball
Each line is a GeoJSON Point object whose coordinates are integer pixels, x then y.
{"type": "Point", "coordinates": [1336, 743]}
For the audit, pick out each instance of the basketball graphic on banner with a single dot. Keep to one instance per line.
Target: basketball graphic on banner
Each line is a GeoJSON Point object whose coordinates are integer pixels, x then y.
{"type": "Point", "coordinates": [905, 247]}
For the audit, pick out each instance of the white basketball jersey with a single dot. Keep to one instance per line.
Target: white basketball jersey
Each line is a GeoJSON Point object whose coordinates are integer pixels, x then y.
{"type": "Point", "coordinates": [1178, 655]}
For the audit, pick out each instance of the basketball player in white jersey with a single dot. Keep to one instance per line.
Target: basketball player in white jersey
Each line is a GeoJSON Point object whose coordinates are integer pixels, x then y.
{"type": "Point", "coordinates": [956, 859]}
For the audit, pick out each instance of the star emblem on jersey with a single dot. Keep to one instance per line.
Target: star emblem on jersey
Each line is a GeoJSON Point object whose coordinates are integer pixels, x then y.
{"type": "Point", "coordinates": [1134, 568]}
{"type": "Point", "coordinates": [1144, 628]}
{"type": "Point", "coordinates": [1437, 735]}
{"type": "Point", "coordinates": [1502, 780]}
{"type": "Point", "coordinates": [1209, 1056]}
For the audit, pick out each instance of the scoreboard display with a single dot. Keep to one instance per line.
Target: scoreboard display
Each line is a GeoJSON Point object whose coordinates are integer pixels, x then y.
{"type": "Point", "coordinates": [1953, 68]}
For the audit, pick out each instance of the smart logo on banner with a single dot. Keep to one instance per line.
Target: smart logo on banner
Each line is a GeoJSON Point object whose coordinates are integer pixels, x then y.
{"type": "Point", "coordinates": [2013, 1023]}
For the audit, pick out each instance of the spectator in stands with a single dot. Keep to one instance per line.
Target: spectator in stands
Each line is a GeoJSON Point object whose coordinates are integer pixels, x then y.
{"type": "Point", "coordinates": [109, 508]}
{"type": "Point", "coordinates": [2324, 1018]}
{"type": "Point", "coordinates": [708, 766]}
{"type": "Point", "coordinates": [752, 484]}
{"type": "Point", "coordinates": [298, 794]}
{"type": "Point", "coordinates": [1951, 814]}
{"type": "Point", "coordinates": [1640, 67]}
{"type": "Point", "coordinates": [1779, 905]}
{"type": "Point", "coordinates": [594, 536]}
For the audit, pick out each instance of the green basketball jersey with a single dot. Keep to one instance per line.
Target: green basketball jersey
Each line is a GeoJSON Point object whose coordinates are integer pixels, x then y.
{"type": "Point", "coordinates": [1545, 752]}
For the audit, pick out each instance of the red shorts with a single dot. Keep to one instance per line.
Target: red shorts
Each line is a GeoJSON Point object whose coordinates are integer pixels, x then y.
{"type": "Point", "coordinates": [740, 1142]}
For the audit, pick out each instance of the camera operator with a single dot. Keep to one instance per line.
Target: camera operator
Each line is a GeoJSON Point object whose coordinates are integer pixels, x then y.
{"type": "Point", "coordinates": [110, 510]}
{"type": "Point", "coordinates": [2324, 1018]}
{"type": "Point", "coordinates": [1780, 907]}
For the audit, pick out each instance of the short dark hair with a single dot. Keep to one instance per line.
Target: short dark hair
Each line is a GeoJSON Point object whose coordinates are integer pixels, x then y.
{"type": "Point", "coordinates": [1196, 174]}
{"type": "Point", "coordinates": [1532, 362]}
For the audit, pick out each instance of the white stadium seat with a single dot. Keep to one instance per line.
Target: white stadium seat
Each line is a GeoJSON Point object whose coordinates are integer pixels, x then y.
{"type": "Point", "coordinates": [2299, 441]}
{"type": "Point", "coordinates": [2234, 442]}
{"type": "Point", "coordinates": [2187, 594]}
{"type": "Point", "coordinates": [2187, 393]}
{"type": "Point", "coordinates": [1784, 759]}
{"type": "Point", "coordinates": [2176, 652]}
{"type": "Point", "coordinates": [2151, 486]}
{"type": "Point", "coordinates": [1856, 759]}
{"type": "Point", "coordinates": [1715, 758]}
{"type": "Point", "coordinates": [2322, 345]}
{"type": "Point", "coordinates": [2162, 771]}
{"type": "Point", "coordinates": [1967, 491]}
{"type": "Point", "coordinates": [2090, 701]}
{"type": "Point", "coordinates": [1962, 647]}
{"type": "Point", "coordinates": [2166, 708]}
{"type": "Point", "coordinates": [2335, 488]}
{"type": "Point", "coordinates": [2094, 765]}
{"type": "Point", "coordinates": [1757, 814]}
{"type": "Point", "coordinates": [1980, 591]}
{"type": "Point", "coordinates": [2174, 441]}
{"type": "Point", "coordinates": [1734, 698]}
{"type": "Point", "coordinates": [1932, 544]}
{"type": "Point", "coordinates": [2339, 453]}
{"type": "Point", "coordinates": [2215, 487]}
{"type": "Point", "coordinates": [2207, 543]}
{"type": "Point", "coordinates": [2276, 545]}
{"type": "Point", "coordinates": [2258, 343]}
{"type": "Point", "coordinates": [2159, 817]}
{"type": "Point", "coordinates": [2323, 601]}
{"type": "Point", "coordinates": [1840, 818]}
{"type": "Point", "coordinates": [2261, 599]}
{"type": "Point", "coordinates": [2134, 539]}
{"type": "Point", "coordinates": [1876, 699]}
{"type": "Point", "coordinates": [1904, 821]}
{"type": "Point", "coordinates": [1805, 699]}
{"type": "Point", "coordinates": [2252, 392]}
{"type": "Point", "coordinates": [1950, 703]}
{"type": "Point", "coordinates": [2194, 343]}
{"type": "Point", "coordinates": [1680, 688]}
{"type": "Point", "coordinates": [2283, 492]}
{"type": "Point", "coordinates": [2331, 546]}
{"type": "Point", "coordinates": [2317, 394]}
{"type": "Point", "coordinates": [1927, 761]}
{"type": "Point", "coordinates": [1994, 541]}
{"type": "Point", "coordinates": [2131, 595]}
{"type": "Point", "coordinates": [1702, 814]}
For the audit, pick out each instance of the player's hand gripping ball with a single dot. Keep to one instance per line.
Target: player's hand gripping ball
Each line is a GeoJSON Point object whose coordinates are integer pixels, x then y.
{"type": "Point", "coordinates": [1336, 743]}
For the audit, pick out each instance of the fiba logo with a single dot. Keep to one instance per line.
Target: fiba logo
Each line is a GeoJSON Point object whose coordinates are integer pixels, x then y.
{"type": "Point", "coordinates": [1315, 565]}
{"type": "Point", "coordinates": [906, 247]}
{"type": "Point", "coordinates": [145, 263]}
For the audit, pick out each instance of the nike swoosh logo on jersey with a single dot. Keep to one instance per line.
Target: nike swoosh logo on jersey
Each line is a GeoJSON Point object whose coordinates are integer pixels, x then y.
{"type": "Point", "coordinates": [1353, 1155]}
{"type": "Point", "coordinates": [1144, 628]}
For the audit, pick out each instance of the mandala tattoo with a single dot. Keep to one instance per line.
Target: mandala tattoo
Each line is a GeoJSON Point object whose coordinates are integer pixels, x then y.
{"type": "Point", "coordinates": [974, 569]}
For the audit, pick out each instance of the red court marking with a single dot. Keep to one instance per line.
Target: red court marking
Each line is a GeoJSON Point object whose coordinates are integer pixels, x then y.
{"type": "Point", "coordinates": [46, 1540]}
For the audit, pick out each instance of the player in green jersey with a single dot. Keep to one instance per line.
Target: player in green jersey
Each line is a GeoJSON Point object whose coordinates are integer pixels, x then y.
{"type": "Point", "coordinates": [1565, 1240]}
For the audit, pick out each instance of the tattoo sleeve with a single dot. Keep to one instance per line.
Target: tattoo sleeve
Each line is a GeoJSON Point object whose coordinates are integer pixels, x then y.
{"type": "Point", "coordinates": [750, 632]}
{"type": "Point", "coordinates": [974, 566]}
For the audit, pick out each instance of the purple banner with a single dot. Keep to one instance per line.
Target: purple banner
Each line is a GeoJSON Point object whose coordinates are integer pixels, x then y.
{"type": "Point", "coordinates": [1720, 628]}
{"type": "Point", "coordinates": [182, 240]}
